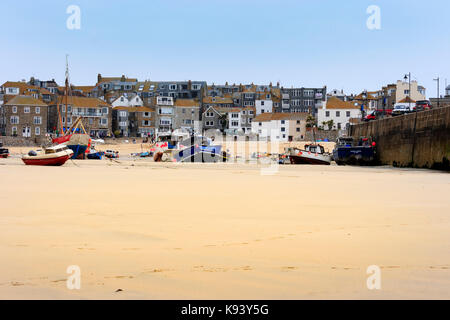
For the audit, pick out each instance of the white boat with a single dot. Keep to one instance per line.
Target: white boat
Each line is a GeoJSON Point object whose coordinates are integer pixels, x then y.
{"type": "Point", "coordinates": [312, 154]}
{"type": "Point", "coordinates": [52, 156]}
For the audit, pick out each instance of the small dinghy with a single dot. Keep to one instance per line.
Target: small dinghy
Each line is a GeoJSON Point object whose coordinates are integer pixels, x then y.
{"type": "Point", "coordinates": [52, 156]}
{"type": "Point", "coordinates": [4, 153]}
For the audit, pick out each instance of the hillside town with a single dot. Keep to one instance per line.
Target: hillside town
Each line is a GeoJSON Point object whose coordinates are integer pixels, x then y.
{"type": "Point", "coordinates": [127, 107]}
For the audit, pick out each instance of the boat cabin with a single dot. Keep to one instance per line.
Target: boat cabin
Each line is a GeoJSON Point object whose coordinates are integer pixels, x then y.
{"type": "Point", "coordinates": [55, 149]}
{"type": "Point", "coordinates": [314, 148]}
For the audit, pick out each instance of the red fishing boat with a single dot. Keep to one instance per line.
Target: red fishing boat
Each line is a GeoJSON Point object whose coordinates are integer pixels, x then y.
{"type": "Point", "coordinates": [52, 156]}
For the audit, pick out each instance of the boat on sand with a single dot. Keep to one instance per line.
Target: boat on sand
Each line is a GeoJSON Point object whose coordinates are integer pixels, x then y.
{"type": "Point", "coordinates": [313, 154]}
{"type": "Point", "coordinates": [51, 156]}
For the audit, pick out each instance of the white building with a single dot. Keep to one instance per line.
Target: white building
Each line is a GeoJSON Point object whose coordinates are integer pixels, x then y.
{"type": "Point", "coordinates": [339, 112]}
{"type": "Point", "coordinates": [281, 127]}
{"type": "Point", "coordinates": [263, 106]}
{"type": "Point", "coordinates": [417, 92]}
{"type": "Point", "coordinates": [128, 101]}
{"type": "Point", "coordinates": [165, 114]}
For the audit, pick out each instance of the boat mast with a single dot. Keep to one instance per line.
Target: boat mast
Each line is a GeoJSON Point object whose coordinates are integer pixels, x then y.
{"type": "Point", "coordinates": [67, 89]}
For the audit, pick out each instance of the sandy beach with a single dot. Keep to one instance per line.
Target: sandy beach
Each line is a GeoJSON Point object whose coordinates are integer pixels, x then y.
{"type": "Point", "coordinates": [221, 231]}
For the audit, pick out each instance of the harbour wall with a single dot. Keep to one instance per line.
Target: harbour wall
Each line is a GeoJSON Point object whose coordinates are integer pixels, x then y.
{"type": "Point", "coordinates": [419, 140]}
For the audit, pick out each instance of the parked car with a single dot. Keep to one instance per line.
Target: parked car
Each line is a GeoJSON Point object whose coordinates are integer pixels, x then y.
{"type": "Point", "coordinates": [111, 154]}
{"type": "Point", "coordinates": [377, 114]}
{"type": "Point", "coordinates": [371, 116]}
{"type": "Point", "coordinates": [401, 108]}
{"type": "Point", "coordinates": [423, 105]}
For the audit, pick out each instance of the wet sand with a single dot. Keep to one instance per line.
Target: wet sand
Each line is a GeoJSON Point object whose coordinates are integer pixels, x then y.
{"type": "Point", "coordinates": [222, 231]}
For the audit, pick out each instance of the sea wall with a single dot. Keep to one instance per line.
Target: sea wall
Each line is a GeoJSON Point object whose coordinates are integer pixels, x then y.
{"type": "Point", "coordinates": [420, 140]}
{"type": "Point", "coordinates": [24, 142]}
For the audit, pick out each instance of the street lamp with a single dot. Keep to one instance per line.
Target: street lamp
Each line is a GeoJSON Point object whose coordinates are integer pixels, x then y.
{"type": "Point", "coordinates": [408, 77]}
{"type": "Point", "coordinates": [438, 95]}
{"type": "Point", "coordinates": [364, 96]}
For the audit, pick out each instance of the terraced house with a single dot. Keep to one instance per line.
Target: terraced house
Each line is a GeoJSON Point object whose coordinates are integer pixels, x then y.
{"type": "Point", "coordinates": [11, 89]}
{"type": "Point", "coordinates": [187, 115]}
{"type": "Point", "coordinates": [133, 121]}
{"type": "Point", "coordinates": [25, 116]}
{"type": "Point", "coordinates": [302, 100]}
{"type": "Point", "coordinates": [96, 113]}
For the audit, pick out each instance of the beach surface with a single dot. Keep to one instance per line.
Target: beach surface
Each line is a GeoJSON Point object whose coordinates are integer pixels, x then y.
{"type": "Point", "coordinates": [144, 230]}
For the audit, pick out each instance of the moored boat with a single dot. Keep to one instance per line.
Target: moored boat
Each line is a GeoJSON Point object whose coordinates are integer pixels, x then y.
{"type": "Point", "coordinates": [313, 154]}
{"type": "Point", "coordinates": [52, 156]}
{"type": "Point", "coordinates": [4, 153]}
{"type": "Point", "coordinates": [348, 152]}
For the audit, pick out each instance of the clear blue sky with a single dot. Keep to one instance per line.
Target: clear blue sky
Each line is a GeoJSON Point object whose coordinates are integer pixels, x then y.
{"type": "Point", "coordinates": [299, 43]}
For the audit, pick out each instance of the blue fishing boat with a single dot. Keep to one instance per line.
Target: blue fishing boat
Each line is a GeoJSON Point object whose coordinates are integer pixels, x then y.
{"type": "Point", "coordinates": [349, 152]}
{"type": "Point", "coordinates": [199, 149]}
{"type": "Point", "coordinates": [95, 155]}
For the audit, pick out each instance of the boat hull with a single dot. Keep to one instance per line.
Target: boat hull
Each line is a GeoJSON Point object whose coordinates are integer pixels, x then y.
{"type": "Point", "coordinates": [359, 155]}
{"type": "Point", "coordinates": [78, 150]}
{"type": "Point", "coordinates": [304, 159]}
{"type": "Point", "coordinates": [54, 162]}
{"type": "Point", "coordinates": [95, 156]}
{"type": "Point", "coordinates": [200, 154]}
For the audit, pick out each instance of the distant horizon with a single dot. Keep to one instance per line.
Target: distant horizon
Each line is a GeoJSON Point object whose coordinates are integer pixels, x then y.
{"type": "Point", "coordinates": [296, 43]}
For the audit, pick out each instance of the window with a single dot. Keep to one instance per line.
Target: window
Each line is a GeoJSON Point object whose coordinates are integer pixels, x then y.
{"type": "Point", "coordinates": [12, 91]}
{"type": "Point", "coordinates": [122, 124]}
{"type": "Point", "coordinates": [283, 121]}
{"type": "Point", "coordinates": [283, 129]}
{"type": "Point", "coordinates": [146, 123]}
{"type": "Point", "coordinates": [37, 120]}
{"type": "Point", "coordinates": [406, 91]}
{"type": "Point", "coordinates": [309, 93]}
{"type": "Point", "coordinates": [338, 113]}
{"type": "Point", "coordinates": [122, 114]}
{"type": "Point", "coordinates": [26, 109]}
{"type": "Point", "coordinates": [69, 108]}
{"type": "Point", "coordinates": [339, 126]}
{"type": "Point", "coordinates": [14, 109]}
{"type": "Point", "coordinates": [235, 123]}
{"type": "Point", "coordinates": [250, 112]}
{"type": "Point", "coordinates": [37, 131]}
{"type": "Point", "coordinates": [105, 110]}
{"type": "Point", "coordinates": [260, 124]}
{"type": "Point", "coordinates": [196, 86]}
{"type": "Point", "coordinates": [235, 115]}
{"type": "Point", "coordinates": [173, 87]}
{"type": "Point", "coordinates": [262, 103]}
{"type": "Point", "coordinates": [14, 131]}
{"type": "Point", "coordinates": [298, 129]}
{"type": "Point", "coordinates": [14, 120]}
{"type": "Point", "coordinates": [298, 121]}
{"type": "Point", "coordinates": [38, 110]}
{"type": "Point", "coordinates": [209, 123]}
{"type": "Point", "coordinates": [210, 114]}
{"type": "Point", "coordinates": [104, 121]}
{"type": "Point", "coordinates": [165, 110]}
{"type": "Point", "coordinates": [91, 121]}
{"type": "Point", "coordinates": [348, 114]}
{"type": "Point", "coordinates": [327, 114]}
{"type": "Point", "coordinates": [146, 114]}
{"type": "Point", "coordinates": [165, 122]}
